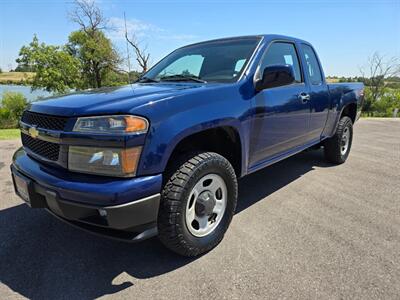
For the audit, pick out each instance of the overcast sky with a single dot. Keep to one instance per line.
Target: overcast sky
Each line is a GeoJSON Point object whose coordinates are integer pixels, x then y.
{"type": "Point", "coordinates": [345, 33]}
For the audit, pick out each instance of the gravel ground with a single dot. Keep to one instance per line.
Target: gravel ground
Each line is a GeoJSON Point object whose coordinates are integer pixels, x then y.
{"type": "Point", "coordinates": [303, 229]}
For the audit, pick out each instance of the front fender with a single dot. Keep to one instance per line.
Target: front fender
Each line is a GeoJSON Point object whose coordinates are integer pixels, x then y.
{"type": "Point", "coordinates": [163, 140]}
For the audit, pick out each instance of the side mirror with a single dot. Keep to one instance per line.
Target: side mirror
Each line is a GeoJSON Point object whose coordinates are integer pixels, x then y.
{"type": "Point", "coordinates": [275, 75]}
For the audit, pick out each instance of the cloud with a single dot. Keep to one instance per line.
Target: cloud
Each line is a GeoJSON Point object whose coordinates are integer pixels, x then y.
{"type": "Point", "coordinates": [133, 26]}
{"type": "Point", "coordinates": [143, 30]}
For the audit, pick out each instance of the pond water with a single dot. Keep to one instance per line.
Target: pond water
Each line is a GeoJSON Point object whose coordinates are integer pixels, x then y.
{"type": "Point", "coordinates": [25, 90]}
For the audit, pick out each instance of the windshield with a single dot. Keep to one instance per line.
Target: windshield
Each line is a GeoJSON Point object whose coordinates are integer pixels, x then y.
{"type": "Point", "coordinates": [215, 61]}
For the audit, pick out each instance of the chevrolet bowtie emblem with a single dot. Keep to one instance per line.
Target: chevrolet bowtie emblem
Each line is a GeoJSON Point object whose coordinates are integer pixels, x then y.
{"type": "Point", "coordinates": [33, 132]}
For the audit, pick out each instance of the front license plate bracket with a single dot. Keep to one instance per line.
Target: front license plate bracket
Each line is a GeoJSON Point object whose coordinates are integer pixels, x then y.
{"type": "Point", "coordinates": [24, 188]}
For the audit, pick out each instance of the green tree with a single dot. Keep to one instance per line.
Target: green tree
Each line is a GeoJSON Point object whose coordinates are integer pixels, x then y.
{"type": "Point", "coordinates": [56, 70]}
{"type": "Point", "coordinates": [96, 55]}
{"type": "Point", "coordinates": [115, 78]}
{"type": "Point", "coordinates": [134, 75]}
{"type": "Point", "coordinates": [11, 108]}
{"type": "Point", "coordinates": [90, 45]}
{"type": "Point", "coordinates": [23, 68]}
{"type": "Point", "coordinates": [385, 106]}
{"type": "Point", "coordinates": [367, 104]}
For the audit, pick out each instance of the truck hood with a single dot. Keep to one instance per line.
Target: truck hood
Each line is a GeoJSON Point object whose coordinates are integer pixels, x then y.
{"type": "Point", "coordinates": [111, 100]}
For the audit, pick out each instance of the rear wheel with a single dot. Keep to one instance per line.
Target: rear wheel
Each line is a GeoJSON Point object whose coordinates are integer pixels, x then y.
{"type": "Point", "coordinates": [337, 148]}
{"type": "Point", "coordinates": [198, 202]}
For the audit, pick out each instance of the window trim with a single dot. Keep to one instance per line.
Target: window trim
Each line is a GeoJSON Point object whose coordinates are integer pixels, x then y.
{"type": "Point", "coordinates": [257, 72]}
{"type": "Point", "coordinates": [318, 63]}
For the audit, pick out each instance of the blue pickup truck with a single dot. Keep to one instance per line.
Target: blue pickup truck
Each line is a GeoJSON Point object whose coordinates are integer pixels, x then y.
{"type": "Point", "coordinates": [162, 156]}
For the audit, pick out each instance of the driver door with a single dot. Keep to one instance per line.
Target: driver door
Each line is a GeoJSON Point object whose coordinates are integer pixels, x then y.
{"type": "Point", "coordinates": [282, 113]}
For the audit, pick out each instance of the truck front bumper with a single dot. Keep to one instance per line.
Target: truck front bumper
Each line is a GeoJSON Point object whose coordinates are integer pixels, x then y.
{"type": "Point", "coordinates": [121, 208]}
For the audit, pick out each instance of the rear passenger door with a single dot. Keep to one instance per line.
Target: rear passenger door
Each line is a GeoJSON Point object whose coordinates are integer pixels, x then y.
{"type": "Point", "coordinates": [281, 116]}
{"type": "Point", "coordinates": [318, 91]}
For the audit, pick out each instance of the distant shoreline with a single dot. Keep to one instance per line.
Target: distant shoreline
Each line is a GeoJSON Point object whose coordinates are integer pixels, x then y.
{"type": "Point", "coordinates": [15, 83]}
{"type": "Point", "coordinates": [16, 78]}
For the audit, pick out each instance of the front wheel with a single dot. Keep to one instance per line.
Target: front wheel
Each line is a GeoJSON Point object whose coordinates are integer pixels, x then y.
{"type": "Point", "coordinates": [337, 148]}
{"type": "Point", "coordinates": [197, 205]}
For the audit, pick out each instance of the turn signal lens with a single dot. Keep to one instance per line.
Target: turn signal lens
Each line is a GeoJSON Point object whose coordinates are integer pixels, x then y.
{"type": "Point", "coordinates": [129, 159]}
{"type": "Point", "coordinates": [135, 124]}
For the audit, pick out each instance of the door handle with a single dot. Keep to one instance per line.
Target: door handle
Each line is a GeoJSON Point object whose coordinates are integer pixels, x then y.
{"type": "Point", "coordinates": [304, 97]}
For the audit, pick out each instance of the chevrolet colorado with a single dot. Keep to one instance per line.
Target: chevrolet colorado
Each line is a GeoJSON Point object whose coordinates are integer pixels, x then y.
{"type": "Point", "coordinates": [162, 156]}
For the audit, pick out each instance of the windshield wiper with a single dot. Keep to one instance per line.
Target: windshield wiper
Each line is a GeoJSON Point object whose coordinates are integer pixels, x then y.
{"type": "Point", "coordinates": [181, 77]}
{"type": "Point", "coordinates": [146, 79]}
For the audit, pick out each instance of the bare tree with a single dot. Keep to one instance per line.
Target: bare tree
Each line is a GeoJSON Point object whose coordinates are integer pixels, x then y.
{"type": "Point", "coordinates": [377, 70]}
{"type": "Point", "coordinates": [88, 16]}
{"type": "Point", "coordinates": [142, 56]}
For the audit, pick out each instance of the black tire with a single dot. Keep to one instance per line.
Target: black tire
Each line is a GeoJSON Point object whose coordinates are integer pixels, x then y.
{"type": "Point", "coordinates": [333, 147]}
{"type": "Point", "coordinates": [172, 228]}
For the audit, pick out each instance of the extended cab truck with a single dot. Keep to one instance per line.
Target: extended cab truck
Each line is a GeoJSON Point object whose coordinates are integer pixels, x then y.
{"type": "Point", "coordinates": [162, 156]}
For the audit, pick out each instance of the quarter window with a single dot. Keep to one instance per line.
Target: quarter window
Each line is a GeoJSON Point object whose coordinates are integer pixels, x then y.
{"type": "Point", "coordinates": [312, 65]}
{"type": "Point", "coordinates": [281, 53]}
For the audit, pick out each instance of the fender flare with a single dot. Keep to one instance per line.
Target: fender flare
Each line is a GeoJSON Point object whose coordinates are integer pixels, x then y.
{"type": "Point", "coordinates": [198, 128]}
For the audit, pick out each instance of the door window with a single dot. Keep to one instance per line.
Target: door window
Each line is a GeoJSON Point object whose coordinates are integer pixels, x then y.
{"type": "Point", "coordinates": [281, 53]}
{"type": "Point", "coordinates": [312, 65]}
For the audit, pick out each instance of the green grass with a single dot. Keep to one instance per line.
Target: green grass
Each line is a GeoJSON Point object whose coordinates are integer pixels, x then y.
{"type": "Point", "coordinates": [9, 134]}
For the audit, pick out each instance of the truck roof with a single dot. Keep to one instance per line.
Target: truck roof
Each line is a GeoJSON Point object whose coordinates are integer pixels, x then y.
{"type": "Point", "coordinates": [263, 36]}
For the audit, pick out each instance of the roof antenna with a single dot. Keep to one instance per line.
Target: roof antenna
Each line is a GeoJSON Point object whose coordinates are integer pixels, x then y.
{"type": "Point", "coordinates": [127, 50]}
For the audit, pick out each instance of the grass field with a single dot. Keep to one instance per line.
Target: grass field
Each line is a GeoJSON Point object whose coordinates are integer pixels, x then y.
{"type": "Point", "coordinates": [9, 134]}
{"type": "Point", "coordinates": [15, 77]}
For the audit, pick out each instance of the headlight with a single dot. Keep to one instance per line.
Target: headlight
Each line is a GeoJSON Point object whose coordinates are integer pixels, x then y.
{"type": "Point", "coordinates": [112, 124]}
{"type": "Point", "coordinates": [104, 161]}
